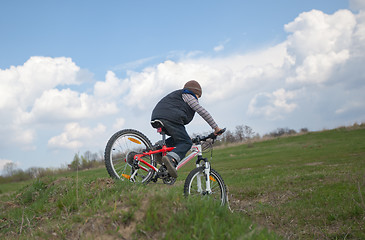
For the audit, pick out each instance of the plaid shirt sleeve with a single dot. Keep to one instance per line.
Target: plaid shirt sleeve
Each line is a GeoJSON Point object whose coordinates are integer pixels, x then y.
{"type": "Point", "coordinates": [194, 104]}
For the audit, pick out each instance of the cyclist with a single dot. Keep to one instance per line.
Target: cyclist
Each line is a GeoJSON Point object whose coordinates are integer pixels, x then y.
{"type": "Point", "coordinates": [176, 110]}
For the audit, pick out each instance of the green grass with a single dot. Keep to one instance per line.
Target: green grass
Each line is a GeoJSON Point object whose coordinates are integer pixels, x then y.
{"type": "Point", "coordinates": [308, 186]}
{"type": "Point", "coordinates": [13, 186]}
{"type": "Point", "coordinates": [67, 208]}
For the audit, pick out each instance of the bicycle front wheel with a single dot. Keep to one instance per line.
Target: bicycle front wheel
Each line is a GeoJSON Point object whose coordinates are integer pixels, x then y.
{"type": "Point", "coordinates": [195, 185]}
{"type": "Point", "coordinates": [119, 154]}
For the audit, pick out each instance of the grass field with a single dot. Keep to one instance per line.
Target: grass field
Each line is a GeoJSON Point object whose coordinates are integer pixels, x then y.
{"type": "Point", "coordinates": [309, 186]}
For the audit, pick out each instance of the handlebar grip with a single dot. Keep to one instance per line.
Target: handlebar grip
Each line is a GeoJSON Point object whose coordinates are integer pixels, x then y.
{"type": "Point", "coordinates": [214, 136]}
{"type": "Point", "coordinates": [221, 131]}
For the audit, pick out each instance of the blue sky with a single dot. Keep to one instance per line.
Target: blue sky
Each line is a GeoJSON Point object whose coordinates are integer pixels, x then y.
{"type": "Point", "coordinates": [73, 72]}
{"type": "Point", "coordinates": [101, 35]}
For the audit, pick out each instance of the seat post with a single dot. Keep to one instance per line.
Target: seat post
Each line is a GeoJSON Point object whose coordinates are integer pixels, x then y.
{"type": "Point", "coordinates": [163, 135]}
{"type": "Point", "coordinates": [163, 138]}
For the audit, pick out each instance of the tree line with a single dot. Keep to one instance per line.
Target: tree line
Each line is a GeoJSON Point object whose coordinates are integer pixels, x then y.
{"type": "Point", "coordinates": [11, 173]}
{"type": "Point", "coordinates": [244, 133]}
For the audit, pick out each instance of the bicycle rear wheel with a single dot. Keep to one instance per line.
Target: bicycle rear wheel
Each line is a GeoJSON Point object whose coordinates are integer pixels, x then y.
{"type": "Point", "coordinates": [119, 154]}
{"type": "Point", "coordinates": [192, 188]}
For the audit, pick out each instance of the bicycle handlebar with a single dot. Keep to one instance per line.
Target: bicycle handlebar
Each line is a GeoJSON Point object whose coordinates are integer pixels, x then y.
{"type": "Point", "coordinates": [213, 136]}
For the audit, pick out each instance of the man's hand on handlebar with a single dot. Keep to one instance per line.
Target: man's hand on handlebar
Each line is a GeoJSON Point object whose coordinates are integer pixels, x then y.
{"type": "Point", "coordinates": [218, 131]}
{"type": "Point", "coordinates": [213, 135]}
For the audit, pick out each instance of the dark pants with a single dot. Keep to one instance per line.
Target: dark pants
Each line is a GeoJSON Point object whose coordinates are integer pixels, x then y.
{"type": "Point", "coordinates": [179, 139]}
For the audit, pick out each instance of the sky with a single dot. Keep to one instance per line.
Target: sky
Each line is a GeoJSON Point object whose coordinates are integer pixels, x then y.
{"type": "Point", "coordinates": [72, 73]}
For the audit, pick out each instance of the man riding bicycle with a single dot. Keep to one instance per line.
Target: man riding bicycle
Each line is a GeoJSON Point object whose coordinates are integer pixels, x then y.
{"type": "Point", "coordinates": [176, 110]}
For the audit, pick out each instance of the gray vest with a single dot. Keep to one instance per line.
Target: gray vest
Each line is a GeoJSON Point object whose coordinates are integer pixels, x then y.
{"type": "Point", "coordinates": [173, 108]}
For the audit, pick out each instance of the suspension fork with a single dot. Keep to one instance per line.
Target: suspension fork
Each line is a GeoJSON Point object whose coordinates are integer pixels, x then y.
{"type": "Point", "coordinates": [206, 174]}
{"type": "Point", "coordinates": [207, 177]}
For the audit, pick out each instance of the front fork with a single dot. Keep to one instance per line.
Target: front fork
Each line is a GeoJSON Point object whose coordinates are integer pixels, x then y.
{"type": "Point", "coordinates": [205, 174]}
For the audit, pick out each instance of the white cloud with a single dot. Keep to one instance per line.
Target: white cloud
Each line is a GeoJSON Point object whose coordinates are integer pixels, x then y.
{"type": "Point", "coordinates": [272, 106]}
{"type": "Point", "coordinates": [219, 48]}
{"type": "Point", "coordinates": [316, 32]}
{"type": "Point", "coordinates": [111, 88]}
{"type": "Point", "coordinates": [357, 4]}
{"type": "Point", "coordinates": [74, 136]}
{"type": "Point", "coordinates": [318, 68]}
{"type": "Point", "coordinates": [32, 94]}
{"type": "Point", "coordinates": [21, 85]}
{"type": "Point", "coordinates": [119, 124]}
{"type": "Point", "coordinates": [358, 41]}
{"type": "Point", "coordinates": [353, 105]}
{"type": "Point", "coordinates": [319, 43]}
{"type": "Point", "coordinates": [25, 137]}
{"type": "Point", "coordinates": [3, 162]}
{"type": "Point", "coordinates": [66, 104]}
{"type": "Point", "coordinates": [219, 77]}
{"type": "Point", "coordinates": [145, 87]}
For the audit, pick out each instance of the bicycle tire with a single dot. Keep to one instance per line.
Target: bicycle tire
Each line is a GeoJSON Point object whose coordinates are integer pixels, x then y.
{"type": "Point", "coordinates": [219, 190]}
{"type": "Point", "coordinates": [117, 149]}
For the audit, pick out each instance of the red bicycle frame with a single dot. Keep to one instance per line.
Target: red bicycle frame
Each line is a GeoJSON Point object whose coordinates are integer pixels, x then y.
{"type": "Point", "coordinates": [164, 150]}
{"type": "Point", "coordinates": [195, 151]}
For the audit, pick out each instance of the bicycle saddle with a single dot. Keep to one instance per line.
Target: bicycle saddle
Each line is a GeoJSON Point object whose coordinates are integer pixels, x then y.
{"type": "Point", "coordinates": [159, 124]}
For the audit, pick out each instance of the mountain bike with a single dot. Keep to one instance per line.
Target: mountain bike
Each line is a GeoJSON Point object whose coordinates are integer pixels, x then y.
{"type": "Point", "coordinates": [129, 155]}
